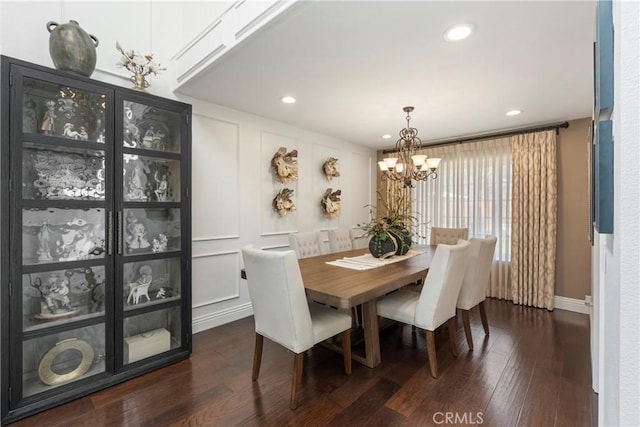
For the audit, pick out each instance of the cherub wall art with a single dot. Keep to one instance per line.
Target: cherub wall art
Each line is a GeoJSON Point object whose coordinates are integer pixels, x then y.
{"type": "Point", "coordinates": [282, 203]}
{"type": "Point", "coordinates": [285, 165]}
{"type": "Point", "coordinates": [330, 168]}
{"type": "Point", "coordinates": [331, 203]}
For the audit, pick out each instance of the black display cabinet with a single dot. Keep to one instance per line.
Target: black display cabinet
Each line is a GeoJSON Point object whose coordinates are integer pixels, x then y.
{"type": "Point", "coordinates": [95, 235]}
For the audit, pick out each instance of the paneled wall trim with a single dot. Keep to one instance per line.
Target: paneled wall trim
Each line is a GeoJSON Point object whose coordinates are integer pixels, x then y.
{"type": "Point", "coordinates": [271, 247]}
{"type": "Point", "coordinates": [208, 239]}
{"type": "Point", "coordinates": [217, 279]}
{"type": "Point", "coordinates": [279, 233]}
{"type": "Point", "coordinates": [216, 179]}
{"type": "Point", "coordinates": [235, 24]}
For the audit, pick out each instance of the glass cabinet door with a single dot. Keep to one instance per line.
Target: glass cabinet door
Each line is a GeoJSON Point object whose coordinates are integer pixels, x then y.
{"type": "Point", "coordinates": [61, 222]}
{"type": "Point", "coordinates": [151, 228]}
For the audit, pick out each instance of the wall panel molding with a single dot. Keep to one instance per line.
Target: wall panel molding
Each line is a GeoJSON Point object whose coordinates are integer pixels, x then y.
{"type": "Point", "coordinates": [216, 176]}
{"type": "Point", "coordinates": [267, 248]}
{"type": "Point", "coordinates": [278, 233]}
{"type": "Point", "coordinates": [216, 280]}
{"type": "Point", "coordinates": [212, 238]}
{"type": "Point", "coordinates": [254, 10]}
{"type": "Point", "coordinates": [233, 25]}
{"type": "Point", "coordinates": [214, 254]}
{"type": "Point", "coordinates": [216, 301]}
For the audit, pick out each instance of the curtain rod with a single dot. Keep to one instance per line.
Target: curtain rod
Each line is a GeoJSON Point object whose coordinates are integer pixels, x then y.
{"type": "Point", "coordinates": [557, 127]}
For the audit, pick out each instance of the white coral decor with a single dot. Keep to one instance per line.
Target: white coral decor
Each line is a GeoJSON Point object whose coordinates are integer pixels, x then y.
{"type": "Point", "coordinates": [138, 64]}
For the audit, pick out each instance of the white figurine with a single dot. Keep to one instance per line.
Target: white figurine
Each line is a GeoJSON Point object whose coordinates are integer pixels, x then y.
{"type": "Point", "coordinates": [56, 296]}
{"type": "Point", "coordinates": [140, 288]}
{"type": "Point", "coordinates": [69, 132]}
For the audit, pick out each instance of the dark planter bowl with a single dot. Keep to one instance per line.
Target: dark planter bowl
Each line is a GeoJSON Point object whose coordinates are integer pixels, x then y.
{"type": "Point", "coordinates": [383, 245]}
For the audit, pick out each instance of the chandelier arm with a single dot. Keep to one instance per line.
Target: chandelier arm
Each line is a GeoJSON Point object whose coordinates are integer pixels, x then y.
{"type": "Point", "coordinates": [424, 174]}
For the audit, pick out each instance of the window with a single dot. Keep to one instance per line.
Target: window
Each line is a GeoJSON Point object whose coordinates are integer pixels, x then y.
{"type": "Point", "coordinates": [473, 190]}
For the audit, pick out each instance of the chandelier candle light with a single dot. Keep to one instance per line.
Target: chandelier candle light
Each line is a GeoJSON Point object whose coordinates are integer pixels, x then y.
{"type": "Point", "coordinates": [408, 165]}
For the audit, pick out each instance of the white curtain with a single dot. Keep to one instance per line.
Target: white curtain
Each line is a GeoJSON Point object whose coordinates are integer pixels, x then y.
{"type": "Point", "coordinates": [472, 190]}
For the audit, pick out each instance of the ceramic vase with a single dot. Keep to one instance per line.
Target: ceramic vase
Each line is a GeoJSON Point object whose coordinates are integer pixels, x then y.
{"type": "Point", "coordinates": [139, 82]}
{"type": "Point", "coordinates": [71, 48]}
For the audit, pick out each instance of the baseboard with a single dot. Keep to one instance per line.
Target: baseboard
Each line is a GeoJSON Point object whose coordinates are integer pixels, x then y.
{"type": "Point", "coordinates": [219, 318]}
{"type": "Point", "coordinates": [571, 304]}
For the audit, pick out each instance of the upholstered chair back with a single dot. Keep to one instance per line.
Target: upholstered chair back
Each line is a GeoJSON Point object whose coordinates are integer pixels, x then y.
{"type": "Point", "coordinates": [340, 240]}
{"type": "Point", "coordinates": [358, 239]}
{"type": "Point", "coordinates": [448, 236]}
{"type": "Point", "coordinates": [277, 294]}
{"type": "Point", "coordinates": [437, 302]}
{"type": "Point", "coordinates": [474, 284]}
{"type": "Point", "coordinates": [306, 244]}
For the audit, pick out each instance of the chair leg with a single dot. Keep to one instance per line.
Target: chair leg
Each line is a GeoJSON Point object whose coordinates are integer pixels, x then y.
{"type": "Point", "coordinates": [451, 323]}
{"type": "Point", "coordinates": [467, 328]}
{"type": "Point", "coordinates": [298, 362]}
{"type": "Point", "coordinates": [257, 356]}
{"type": "Point", "coordinates": [431, 354]}
{"type": "Point", "coordinates": [483, 317]}
{"type": "Point", "coordinates": [346, 350]}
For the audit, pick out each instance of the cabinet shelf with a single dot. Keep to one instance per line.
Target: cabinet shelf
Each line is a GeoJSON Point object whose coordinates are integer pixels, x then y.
{"type": "Point", "coordinates": [57, 141]}
{"type": "Point", "coordinates": [152, 305]}
{"type": "Point", "coordinates": [48, 328]}
{"type": "Point", "coordinates": [151, 153]}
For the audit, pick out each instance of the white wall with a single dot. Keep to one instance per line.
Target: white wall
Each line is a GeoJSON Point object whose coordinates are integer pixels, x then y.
{"type": "Point", "coordinates": [619, 253]}
{"type": "Point", "coordinates": [233, 188]}
{"type": "Point", "coordinates": [232, 185]}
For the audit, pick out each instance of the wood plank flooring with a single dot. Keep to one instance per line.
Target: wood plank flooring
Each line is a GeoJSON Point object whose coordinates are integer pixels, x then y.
{"type": "Point", "coordinates": [532, 370]}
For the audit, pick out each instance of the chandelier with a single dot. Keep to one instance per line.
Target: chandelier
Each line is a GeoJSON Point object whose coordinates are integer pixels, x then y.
{"type": "Point", "coordinates": [409, 166]}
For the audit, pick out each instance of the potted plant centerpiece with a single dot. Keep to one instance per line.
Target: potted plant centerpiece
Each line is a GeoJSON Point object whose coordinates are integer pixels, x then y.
{"type": "Point", "coordinates": [389, 233]}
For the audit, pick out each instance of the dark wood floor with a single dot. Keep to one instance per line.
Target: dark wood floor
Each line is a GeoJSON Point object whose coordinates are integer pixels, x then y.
{"type": "Point", "coordinates": [533, 370]}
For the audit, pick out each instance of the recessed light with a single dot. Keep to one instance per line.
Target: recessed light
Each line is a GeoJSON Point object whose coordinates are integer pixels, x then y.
{"type": "Point", "coordinates": [288, 99]}
{"type": "Point", "coordinates": [386, 136]}
{"type": "Point", "coordinates": [513, 112]}
{"type": "Point", "coordinates": [458, 32]}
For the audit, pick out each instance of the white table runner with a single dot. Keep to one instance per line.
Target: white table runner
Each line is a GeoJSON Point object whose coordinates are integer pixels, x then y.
{"type": "Point", "coordinates": [368, 261]}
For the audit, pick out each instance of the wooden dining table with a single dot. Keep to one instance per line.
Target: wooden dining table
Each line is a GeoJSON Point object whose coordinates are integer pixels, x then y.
{"type": "Point", "coordinates": [347, 288]}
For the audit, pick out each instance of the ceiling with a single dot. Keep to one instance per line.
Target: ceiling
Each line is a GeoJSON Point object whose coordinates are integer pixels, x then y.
{"type": "Point", "coordinates": [353, 65]}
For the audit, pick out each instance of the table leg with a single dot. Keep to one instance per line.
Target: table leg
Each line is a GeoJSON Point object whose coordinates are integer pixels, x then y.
{"type": "Point", "coordinates": [371, 334]}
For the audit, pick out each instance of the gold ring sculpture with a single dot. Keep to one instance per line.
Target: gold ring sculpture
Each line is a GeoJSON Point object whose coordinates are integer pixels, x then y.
{"type": "Point", "coordinates": [49, 377]}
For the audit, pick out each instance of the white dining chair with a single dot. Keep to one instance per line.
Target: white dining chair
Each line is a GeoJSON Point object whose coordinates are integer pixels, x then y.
{"type": "Point", "coordinates": [340, 240]}
{"type": "Point", "coordinates": [474, 285]}
{"type": "Point", "coordinates": [358, 239]}
{"type": "Point", "coordinates": [283, 315]}
{"type": "Point", "coordinates": [449, 236]}
{"type": "Point", "coordinates": [306, 244]}
{"type": "Point", "coordinates": [436, 303]}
